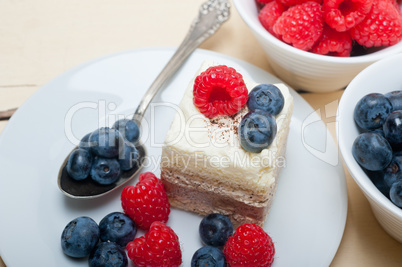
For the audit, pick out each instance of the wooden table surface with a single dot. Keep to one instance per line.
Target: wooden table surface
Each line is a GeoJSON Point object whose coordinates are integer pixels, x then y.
{"type": "Point", "coordinates": [41, 39]}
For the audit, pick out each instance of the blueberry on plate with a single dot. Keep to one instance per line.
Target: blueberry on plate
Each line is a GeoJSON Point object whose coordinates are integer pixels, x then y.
{"type": "Point", "coordinates": [79, 237]}
{"type": "Point", "coordinates": [117, 227]}
{"type": "Point", "coordinates": [108, 254]}
{"type": "Point", "coordinates": [105, 171]}
{"type": "Point", "coordinates": [129, 129]}
{"type": "Point", "coordinates": [215, 229]}
{"type": "Point", "coordinates": [208, 257]}
{"type": "Point", "coordinates": [395, 97]}
{"type": "Point", "coordinates": [371, 111]}
{"type": "Point", "coordinates": [372, 151]}
{"type": "Point", "coordinates": [266, 97]}
{"type": "Point", "coordinates": [393, 172]}
{"type": "Point", "coordinates": [393, 129]}
{"type": "Point", "coordinates": [128, 157]}
{"type": "Point", "coordinates": [79, 164]}
{"type": "Point", "coordinates": [396, 194]}
{"type": "Point", "coordinates": [106, 142]}
{"type": "Point", "coordinates": [257, 130]}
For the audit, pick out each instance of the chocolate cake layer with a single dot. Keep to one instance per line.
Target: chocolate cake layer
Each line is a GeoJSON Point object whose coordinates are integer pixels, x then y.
{"type": "Point", "coordinates": [205, 199]}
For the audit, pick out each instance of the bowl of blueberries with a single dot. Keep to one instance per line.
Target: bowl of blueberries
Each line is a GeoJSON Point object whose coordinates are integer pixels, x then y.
{"type": "Point", "coordinates": [369, 129]}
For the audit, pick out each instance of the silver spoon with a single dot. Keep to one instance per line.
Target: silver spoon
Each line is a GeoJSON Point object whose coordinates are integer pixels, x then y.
{"type": "Point", "coordinates": [211, 16]}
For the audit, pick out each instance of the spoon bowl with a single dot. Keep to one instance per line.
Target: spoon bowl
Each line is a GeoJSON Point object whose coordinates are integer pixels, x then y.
{"type": "Point", "coordinates": [87, 188]}
{"type": "Point", "coordinates": [210, 17]}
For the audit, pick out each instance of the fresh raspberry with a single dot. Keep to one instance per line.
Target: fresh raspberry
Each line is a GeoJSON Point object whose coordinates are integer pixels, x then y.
{"type": "Point", "coordinates": [333, 43]}
{"type": "Point", "coordinates": [381, 27]}
{"type": "Point", "coordinates": [249, 246]}
{"type": "Point", "coordinates": [269, 14]}
{"type": "Point", "coordinates": [146, 202]}
{"type": "Point", "coordinates": [297, 2]}
{"type": "Point", "coordinates": [343, 15]}
{"type": "Point", "coordinates": [219, 90]}
{"type": "Point", "coordinates": [159, 247]}
{"type": "Point", "coordinates": [301, 25]}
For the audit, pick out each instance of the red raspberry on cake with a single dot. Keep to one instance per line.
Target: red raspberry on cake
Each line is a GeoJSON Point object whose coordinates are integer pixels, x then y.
{"type": "Point", "coordinates": [249, 246]}
{"type": "Point", "coordinates": [333, 43]}
{"type": "Point", "coordinates": [381, 27]}
{"type": "Point", "coordinates": [219, 90]}
{"type": "Point", "coordinates": [343, 15]}
{"type": "Point", "coordinates": [269, 14]}
{"type": "Point", "coordinates": [159, 247]}
{"type": "Point", "coordinates": [301, 25]}
{"type": "Point", "coordinates": [146, 202]}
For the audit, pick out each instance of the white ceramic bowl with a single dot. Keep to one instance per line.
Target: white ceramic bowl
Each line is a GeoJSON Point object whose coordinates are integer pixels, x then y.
{"type": "Point", "coordinates": [381, 77]}
{"type": "Point", "coordinates": [304, 70]}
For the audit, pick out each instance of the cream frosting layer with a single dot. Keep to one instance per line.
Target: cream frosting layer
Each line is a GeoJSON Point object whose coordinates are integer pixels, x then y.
{"type": "Point", "coordinates": [211, 147]}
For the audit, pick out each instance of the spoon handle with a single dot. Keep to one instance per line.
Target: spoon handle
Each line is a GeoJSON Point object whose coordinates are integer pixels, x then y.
{"type": "Point", "coordinates": [211, 16]}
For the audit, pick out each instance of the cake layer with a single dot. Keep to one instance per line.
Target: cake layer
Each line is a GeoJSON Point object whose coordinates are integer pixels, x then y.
{"type": "Point", "coordinates": [205, 199]}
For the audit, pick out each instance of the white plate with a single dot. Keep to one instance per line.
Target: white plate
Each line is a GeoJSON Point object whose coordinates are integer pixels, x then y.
{"type": "Point", "coordinates": [307, 218]}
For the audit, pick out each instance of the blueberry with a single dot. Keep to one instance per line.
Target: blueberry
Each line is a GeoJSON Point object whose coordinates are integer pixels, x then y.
{"type": "Point", "coordinates": [84, 143]}
{"type": "Point", "coordinates": [396, 193]}
{"type": "Point", "coordinates": [105, 171]}
{"type": "Point", "coordinates": [106, 142]}
{"type": "Point", "coordinates": [208, 257]}
{"type": "Point", "coordinates": [117, 227]}
{"type": "Point", "coordinates": [129, 129]}
{"type": "Point", "coordinates": [371, 111]}
{"type": "Point", "coordinates": [395, 97]}
{"type": "Point", "coordinates": [377, 178]}
{"type": "Point", "coordinates": [79, 164]}
{"type": "Point", "coordinates": [379, 131]}
{"type": "Point", "coordinates": [266, 97]}
{"type": "Point", "coordinates": [108, 254]}
{"type": "Point", "coordinates": [128, 157]}
{"type": "Point", "coordinates": [215, 229]}
{"type": "Point", "coordinates": [393, 172]}
{"type": "Point", "coordinates": [257, 130]}
{"type": "Point", "coordinates": [393, 129]}
{"type": "Point", "coordinates": [79, 237]}
{"type": "Point", "coordinates": [372, 151]}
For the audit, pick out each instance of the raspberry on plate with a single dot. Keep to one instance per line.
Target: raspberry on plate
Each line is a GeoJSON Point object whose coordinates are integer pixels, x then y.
{"type": "Point", "coordinates": [301, 25]}
{"type": "Point", "coordinates": [146, 202]}
{"type": "Point", "coordinates": [219, 90]}
{"type": "Point", "coordinates": [381, 27]}
{"type": "Point", "coordinates": [333, 43]}
{"type": "Point", "coordinates": [343, 15]}
{"type": "Point", "coordinates": [249, 246]}
{"type": "Point", "coordinates": [269, 14]}
{"type": "Point", "coordinates": [158, 248]}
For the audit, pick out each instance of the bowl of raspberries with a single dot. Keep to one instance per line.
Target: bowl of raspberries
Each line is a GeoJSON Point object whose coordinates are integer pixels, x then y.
{"type": "Point", "coordinates": [321, 45]}
{"type": "Point", "coordinates": [369, 129]}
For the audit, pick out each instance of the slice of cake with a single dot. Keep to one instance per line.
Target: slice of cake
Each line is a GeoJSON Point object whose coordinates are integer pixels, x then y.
{"type": "Point", "coordinates": [213, 160]}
